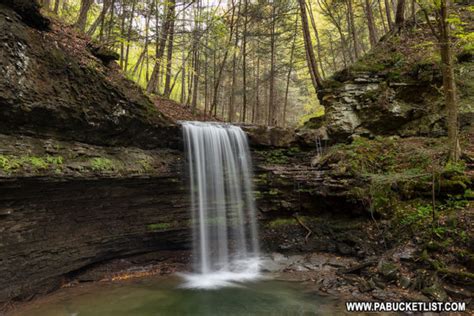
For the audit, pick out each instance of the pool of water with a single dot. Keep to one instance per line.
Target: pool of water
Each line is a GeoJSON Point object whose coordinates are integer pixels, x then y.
{"type": "Point", "coordinates": [164, 296]}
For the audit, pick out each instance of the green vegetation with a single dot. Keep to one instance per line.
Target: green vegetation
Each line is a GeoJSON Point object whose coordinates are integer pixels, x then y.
{"type": "Point", "coordinates": [102, 164]}
{"type": "Point", "coordinates": [395, 169]}
{"type": "Point", "coordinates": [282, 222]}
{"type": "Point", "coordinates": [159, 226]}
{"type": "Point", "coordinates": [278, 156]}
{"type": "Point", "coordinates": [10, 164]}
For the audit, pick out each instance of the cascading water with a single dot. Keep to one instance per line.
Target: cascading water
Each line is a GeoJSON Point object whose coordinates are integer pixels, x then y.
{"type": "Point", "coordinates": [223, 210]}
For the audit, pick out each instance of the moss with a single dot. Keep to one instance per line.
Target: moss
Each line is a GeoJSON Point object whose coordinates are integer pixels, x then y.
{"type": "Point", "coordinates": [102, 164]}
{"type": "Point", "coordinates": [145, 164]}
{"type": "Point", "coordinates": [314, 119]}
{"type": "Point", "coordinates": [159, 226]}
{"type": "Point", "coordinates": [10, 163]}
{"type": "Point", "coordinates": [282, 222]}
{"type": "Point", "coordinates": [273, 191]}
{"type": "Point", "coordinates": [469, 194]}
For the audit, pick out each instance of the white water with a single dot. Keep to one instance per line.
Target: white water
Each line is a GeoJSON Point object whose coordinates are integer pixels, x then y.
{"type": "Point", "coordinates": [225, 241]}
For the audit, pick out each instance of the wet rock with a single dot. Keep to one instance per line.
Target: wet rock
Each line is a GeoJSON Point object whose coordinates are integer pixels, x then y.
{"type": "Point", "coordinates": [344, 249]}
{"type": "Point", "coordinates": [388, 270]}
{"type": "Point", "coordinates": [436, 292]}
{"type": "Point", "coordinates": [366, 285]}
{"type": "Point", "coordinates": [269, 136]}
{"type": "Point", "coordinates": [405, 252]}
{"type": "Point", "coordinates": [405, 282]}
{"type": "Point", "coordinates": [103, 53]}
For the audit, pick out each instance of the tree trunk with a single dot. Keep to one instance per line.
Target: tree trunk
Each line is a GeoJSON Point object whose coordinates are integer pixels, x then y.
{"type": "Point", "coordinates": [244, 63]}
{"type": "Point", "coordinates": [271, 95]}
{"type": "Point", "coordinates": [449, 85]}
{"type": "Point", "coordinates": [290, 69]}
{"type": "Point", "coordinates": [382, 17]}
{"type": "Point", "coordinates": [224, 60]}
{"type": "Point", "coordinates": [47, 5]}
{"type": "Point", "coordinates": [400, 16]}
{"type": "Point", "coordinates": [308, 44]}
{"type": "Point", "coordinates": [388, 12]}
{"type": "Point", "coordinates": [152, 86]}
{"type": "Point", "coordinates": [373, 36]}
{"type": "Point", "coordinates": [129, 34]}
{"type": "Point", "coordinates": [353, 29]}
{"type": "Point", "coordinates": [231, 113]}
{"type": "Point", "coordinates": [318, 41]}
{"type": "Point", "coordinates": [105, 8]}
{"type": "Point", "coordinates": [57, 3]}
{"type": "Point", "coordinates": [169, 57]}
{"type": "Point", "coordinates": [83, 13]}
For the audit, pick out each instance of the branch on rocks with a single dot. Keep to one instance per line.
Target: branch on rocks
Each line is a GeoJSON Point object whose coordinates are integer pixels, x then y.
{"type": "Point", "coordinates": [304, 226]}
{"type": "Point", "coordinates": [358, 267]}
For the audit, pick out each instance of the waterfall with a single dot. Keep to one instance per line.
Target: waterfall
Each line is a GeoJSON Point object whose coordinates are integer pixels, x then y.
{"type": "Point", "coordinates": [225, 240]}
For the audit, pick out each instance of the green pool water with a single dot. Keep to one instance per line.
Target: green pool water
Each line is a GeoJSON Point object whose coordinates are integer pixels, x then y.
{"type": "Point", "coordinates": [163, 296]}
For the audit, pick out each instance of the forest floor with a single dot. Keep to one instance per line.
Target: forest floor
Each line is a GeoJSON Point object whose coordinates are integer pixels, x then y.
{"type": "Point", "coordinates": [180, 112]}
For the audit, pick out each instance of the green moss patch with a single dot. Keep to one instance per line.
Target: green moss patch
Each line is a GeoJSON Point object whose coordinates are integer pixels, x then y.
{"type": "Point", "coordinates": [12, 164]}
{"type": "Point", "coordinates": [159, 226]}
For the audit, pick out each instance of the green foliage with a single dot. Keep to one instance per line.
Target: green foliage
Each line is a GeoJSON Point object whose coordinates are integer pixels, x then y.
{"type": "Point", "coordinates": [159, 226]}
{"type": "Point", "coordinates": [102, 164]}
{"type": "Point", "coordinates": [417, 216]}
{"type": "Point", "coordinates": [455, 167]}
{"type": "Point", "coordinates": [307, 117]}
{"type": "Point", "coordinates": [395, 169]}
{"type": "Point", "coordinates": [10, 163]}
{"type": "Point", "coordinates": [277, 156]}
{"type": "Point", "coordinates": [145, 164]}
{"type": "Point", "coordinates": [279, 222]}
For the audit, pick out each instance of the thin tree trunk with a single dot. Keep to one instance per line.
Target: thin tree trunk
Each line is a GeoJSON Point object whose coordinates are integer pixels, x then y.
{"type": "Point", "coordinates": [56, 6]}
{"type": "Point", "coordinates": [290, 69]}
{"type": "Point", "coordinates": [311, 60]}
{"type": "Point", "coordinates": [353, 29]}
{"type": "Point", "coordinates": [389, 14]}
{"type": "Point", "coordinates": [256, 115]}
{"type": "Point", "coordinates": [382, 17]}
{"type": "Point", "coordinates": [152, 86]}
{"type": "Point", "coordinates": [129, 34]}
{"type": "Point", "coordinates": [169, 57]}
{"type": "Point", "coordinates": [197, 64]}
{"type": "Point", "coordinates": [400, 16]}
{"type": "Point", "coordinates": [224, 60]}
{"type": "Point", "coordinates": [122, 31]}
{"type": "Point", "coordinates": [448, 80]}
{"type": "Point", "coordinates": [105, 8]}
{"type": "Point", "coordinates": [111, 21]}
{"type": "Point", "coordinates": [231, 113]}
{"type": "Point", "coordinates": [244, 63]}
{"type": "Point", "coordinates": [83, 13]}
{"type": "Point", "coordinates": [373, 36]}
{"type": "Point", "coordinates": [47, 5]}
{"type": "Point", "coordinates": [318, 41]}
{"type": "Point", "coordinates": [271, 95]}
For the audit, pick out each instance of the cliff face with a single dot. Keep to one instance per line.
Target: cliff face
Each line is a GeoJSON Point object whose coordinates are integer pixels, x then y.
{"type": "Point", "coordinates": [53, 86]}
{"type": "Point", "coordinates": [396, 88]}
{"type": "Point", "coordinates": [86, 169]}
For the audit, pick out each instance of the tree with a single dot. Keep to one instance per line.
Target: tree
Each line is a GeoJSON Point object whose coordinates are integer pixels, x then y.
{"type": "Point", "coordinates": [373, 36]}
{"type": "Point", "coordinates": [400, 15]}
{"type": "Point", "coordinates": [83, 13]}
{"type": "Point", "coordinates": [308, 43]}
{"type": "Point", "coordinates": [442, 10]}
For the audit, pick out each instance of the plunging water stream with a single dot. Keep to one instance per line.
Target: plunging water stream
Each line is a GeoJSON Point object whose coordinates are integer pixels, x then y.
{"type": "Point", "coordinates": [223, 209]}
